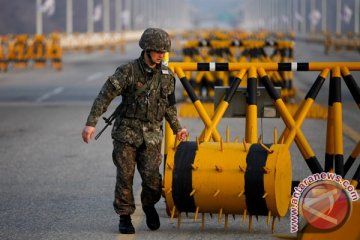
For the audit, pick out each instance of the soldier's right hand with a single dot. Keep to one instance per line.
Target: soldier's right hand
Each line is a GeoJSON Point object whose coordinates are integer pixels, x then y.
{"type": "Point", "coordinates": [88, 133]}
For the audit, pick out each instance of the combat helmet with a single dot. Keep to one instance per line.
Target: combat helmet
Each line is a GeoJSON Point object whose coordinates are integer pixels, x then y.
{"type": "Point", "coordinates": [155, 39]}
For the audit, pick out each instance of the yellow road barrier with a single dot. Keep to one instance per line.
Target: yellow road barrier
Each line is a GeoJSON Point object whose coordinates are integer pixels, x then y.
{"type": "Point", "coordinates": [54, 51]}
{"type": "Point", "coordinates": [213, 175]}
{"type": "Point", "coordinates": [249, 51]}
{"type": "Point", "coordinates": [18, 51]}
{"type": "Point", "coordinates": [4, 48]}
{"type": "Point", "coordinates": [37, 51]}
{"type": "Point", "coordinates": [21, 50]}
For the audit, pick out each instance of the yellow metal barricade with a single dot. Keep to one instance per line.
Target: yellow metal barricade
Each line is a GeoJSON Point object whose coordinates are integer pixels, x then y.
{"type": "Point", "coordinates": [249, 51]}
{"type": "Point", "coordinates": [4, 52]}
{"type": "Point", "coordinates": [54, 51]}
{"type": "Point", "coordinates": [18, 51]}
{"type": "Point", "coordinates": [37, 51]}
{"type": "Point", "coordinates": [216, 176]}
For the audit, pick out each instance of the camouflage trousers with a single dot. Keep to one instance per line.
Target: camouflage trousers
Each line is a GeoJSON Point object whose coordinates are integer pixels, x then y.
{"type": "Point", "coordinates": [147, 160]}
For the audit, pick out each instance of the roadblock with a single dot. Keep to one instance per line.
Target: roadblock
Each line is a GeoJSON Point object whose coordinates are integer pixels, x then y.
{"type": "Point", "coordinates": [4, 49]}
{"type": "Point", "coordinates": [250, 178]}
{"type": "Point", "coordinates": [37, 51]}
{"type": "Point", "coordinates": [22, 51]}
{"type": "Point", "coordinates": [236, 51]}
{"type": "Point", "coordinates": [18, 51]}
{"type": "Point", "coordinates": [338, 42]}
{"type": "Point", "coordinates": [54, 51]}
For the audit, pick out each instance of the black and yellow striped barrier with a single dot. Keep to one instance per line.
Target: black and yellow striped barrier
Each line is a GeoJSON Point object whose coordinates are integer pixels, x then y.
{"type": "Point", "coordinates": [249, 51]}
{"type": "Point", "coordinates": [213, 175]}
{"type": "Point", "coordinates": [267, 66]}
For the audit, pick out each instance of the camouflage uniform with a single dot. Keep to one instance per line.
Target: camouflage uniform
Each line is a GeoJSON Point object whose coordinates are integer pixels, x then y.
{"type": "Point", "coordinates": [147, 97]}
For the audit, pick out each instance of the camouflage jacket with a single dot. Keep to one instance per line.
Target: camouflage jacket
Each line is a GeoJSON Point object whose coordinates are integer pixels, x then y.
{"type": "Point", "coordinates": [147, 97]}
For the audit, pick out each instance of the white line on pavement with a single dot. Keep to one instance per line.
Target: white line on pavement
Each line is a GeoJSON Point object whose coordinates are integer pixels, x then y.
{"type": "Point", "coordinates": [94, 76]}
{"type": "Point", "coordinates": [50, 94]}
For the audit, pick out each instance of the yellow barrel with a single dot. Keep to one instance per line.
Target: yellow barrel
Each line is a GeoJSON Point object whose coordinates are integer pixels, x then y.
{"type": "Point", "coordinates": [229, 178]}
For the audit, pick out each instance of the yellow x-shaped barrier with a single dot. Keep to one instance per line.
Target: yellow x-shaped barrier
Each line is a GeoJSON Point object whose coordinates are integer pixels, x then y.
{"type": "Point", "coordinates": [293, 132]}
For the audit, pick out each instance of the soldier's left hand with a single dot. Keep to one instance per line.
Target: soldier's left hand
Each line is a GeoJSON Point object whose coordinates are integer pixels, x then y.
{"type": "Point", "coordinates": [182, 134]}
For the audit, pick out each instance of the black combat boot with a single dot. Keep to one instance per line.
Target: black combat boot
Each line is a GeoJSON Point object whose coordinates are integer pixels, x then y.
{"type": "Point", "coordinates": [125, 225]}
{"type": "Point", "coordinates": [152, 217]}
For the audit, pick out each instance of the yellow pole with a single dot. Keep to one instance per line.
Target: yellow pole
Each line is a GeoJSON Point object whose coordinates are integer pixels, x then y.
{"type": "Point", "coordinates": [329, 152]}
{"type": "Point", "coordinates": [219, 113]}
{"type": "Point", "coordinates": [305, 106]}
{"type": "Point", "coordinates": [169, 137]}
{"type": "Point", "coordinates": [337, 116]}
{"type": "Point", "coordinates": [351, 159]}
{"type": "Point", "coordinates": [300, 139]}
{"type": "Point", "coordinates": [199, 107]}
{"type": "Point", "coordinates": [251, 107]}
{"type": "Point", "coordinates": [272, 66]}
{"type": "Point", "coordinates": [351, 84]}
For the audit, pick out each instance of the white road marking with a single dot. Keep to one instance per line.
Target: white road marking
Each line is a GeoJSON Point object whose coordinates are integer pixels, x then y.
{"type": "Point", "coordinates": [50, 94]}
{"type": "Point", "coordinates": [94, 76]}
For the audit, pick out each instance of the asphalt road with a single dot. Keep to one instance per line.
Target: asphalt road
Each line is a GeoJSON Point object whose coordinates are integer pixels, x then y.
{"type": "Point", "coordinates": [53, 186]}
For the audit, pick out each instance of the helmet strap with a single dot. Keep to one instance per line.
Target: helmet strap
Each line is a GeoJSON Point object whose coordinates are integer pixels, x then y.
{"type": "Point", "coordinates": [147, 52]}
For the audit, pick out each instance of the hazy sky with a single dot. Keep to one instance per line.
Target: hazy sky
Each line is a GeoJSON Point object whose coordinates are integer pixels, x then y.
{"type": "Point", "coordinates": [215, 12]}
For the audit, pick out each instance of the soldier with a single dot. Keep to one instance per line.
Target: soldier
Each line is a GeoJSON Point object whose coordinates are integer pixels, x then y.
{"type": "Point", "coordinates": [147, 89]}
